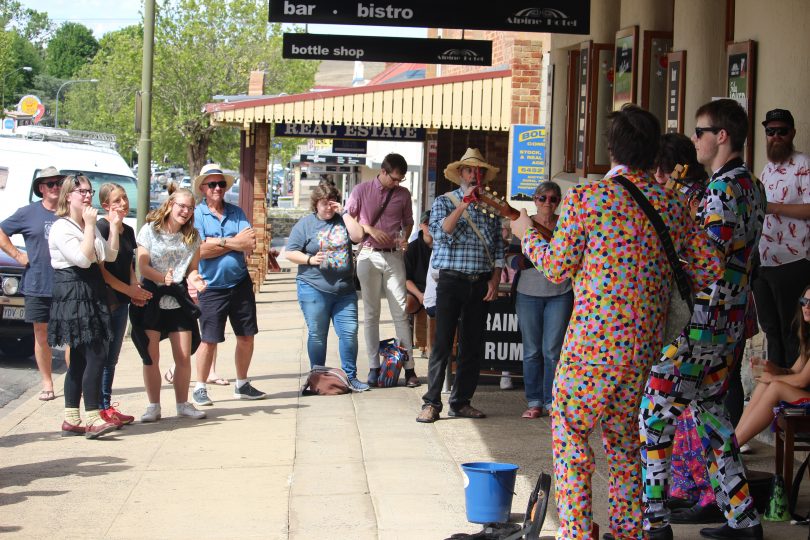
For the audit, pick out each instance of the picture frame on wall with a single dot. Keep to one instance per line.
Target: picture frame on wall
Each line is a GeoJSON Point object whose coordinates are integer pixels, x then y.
{"type": "Point", "coordinates": [657, 45]}
{"type": "Point", "coordinates": [625, 67]}
{"type": "Point", "coordinates": [676, 88]}
{"type": "Point", "coordinates": [740, 76]}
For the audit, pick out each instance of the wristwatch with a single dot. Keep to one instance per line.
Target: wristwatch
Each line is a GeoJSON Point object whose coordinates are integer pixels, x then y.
{"type": "Point", "coordinates": [222, 241]}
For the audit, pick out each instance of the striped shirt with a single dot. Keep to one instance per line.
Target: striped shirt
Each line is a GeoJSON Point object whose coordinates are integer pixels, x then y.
{"type": "Point", "coordinates": [462, 250]}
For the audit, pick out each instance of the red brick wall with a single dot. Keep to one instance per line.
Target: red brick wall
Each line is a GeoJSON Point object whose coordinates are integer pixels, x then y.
{"type": "Point", "coordinates": [527, 63]}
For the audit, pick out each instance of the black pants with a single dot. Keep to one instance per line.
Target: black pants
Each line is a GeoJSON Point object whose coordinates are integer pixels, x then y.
{"type": "Point", "coordinates": [776, 293]}
{"type": "Point", "coordinates": [456, 298]}
{"type": "Point", "coordinates": [84, 375]}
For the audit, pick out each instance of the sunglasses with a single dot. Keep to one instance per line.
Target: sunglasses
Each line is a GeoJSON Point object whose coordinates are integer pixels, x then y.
{"type": "Point", "coordinates": [550, 198]}
{"type": "Point", "coordinates": [220, 184]}
{"type": "Point", "coordinates": [699, 131]}
{"type": "Point", "coordinates": [52, 184]}
{"type": "Point", "coordinates": [773, 131]}
{"type": "Point", "coordinates": [804, 302]}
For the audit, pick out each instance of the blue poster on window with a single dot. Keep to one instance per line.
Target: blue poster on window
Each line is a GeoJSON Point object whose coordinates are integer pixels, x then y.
{"type": "Point", "coordinates": [527, 160]}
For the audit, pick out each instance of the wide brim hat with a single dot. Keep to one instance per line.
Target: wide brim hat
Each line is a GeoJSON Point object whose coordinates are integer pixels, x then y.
{"type": "Point", "coordinates": [212, 169]}
{"type": "Point", "coordinates": [42, 175]}
{"type": "Point", "coordinates": [471, 158]}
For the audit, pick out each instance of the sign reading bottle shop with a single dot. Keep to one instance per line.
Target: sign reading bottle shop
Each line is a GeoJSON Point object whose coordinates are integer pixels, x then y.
{"type": "Point", "coordinates": [387, 49]}
{"type": "Point", "coordinates": [553, 16]}
{"type": "Point", "coordinates": [327, 131]}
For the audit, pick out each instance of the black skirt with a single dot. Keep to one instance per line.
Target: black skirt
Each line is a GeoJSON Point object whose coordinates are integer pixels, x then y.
{"type": "Point", "coordinates": [79, 312]}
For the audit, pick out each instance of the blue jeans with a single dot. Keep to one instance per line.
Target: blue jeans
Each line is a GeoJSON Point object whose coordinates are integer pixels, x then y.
{"type": "Point", "coordinates": [119, 326]}
{"type": "Point", "coordinates": [319, 308]}
{"type": "Point", "coordinates": [543, 321]}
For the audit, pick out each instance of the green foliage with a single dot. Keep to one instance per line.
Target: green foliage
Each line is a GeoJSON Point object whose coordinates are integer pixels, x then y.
{"type": "Point", "coordinates": [71, 47]}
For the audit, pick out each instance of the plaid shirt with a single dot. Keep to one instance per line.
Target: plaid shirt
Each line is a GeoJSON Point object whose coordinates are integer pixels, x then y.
{"type": "Point", "coordinates": [462, 250]}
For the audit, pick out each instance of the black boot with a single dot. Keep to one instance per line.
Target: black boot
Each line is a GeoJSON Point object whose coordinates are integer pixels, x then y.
{"type": "Point", "coordinates": [659, 533]}
{"type": "Point", "coordinates": [710, 513]}
{"type": "Point", "coordinates": [754, 532]}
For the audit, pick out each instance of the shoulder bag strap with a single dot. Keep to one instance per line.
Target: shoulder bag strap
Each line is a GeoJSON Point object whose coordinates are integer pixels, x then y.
{"type": "Point", "coordinates": [663, 235]}
{"type": "Point", "coordinates": [474, 227]}
{"type": "Point", "coordinates": [379, 213]}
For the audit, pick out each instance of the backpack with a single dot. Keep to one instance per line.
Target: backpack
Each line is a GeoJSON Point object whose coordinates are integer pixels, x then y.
{"type": "Point", "coordinates": [394, 357]}
{"type": "Point", "coordinates": [326, 381]}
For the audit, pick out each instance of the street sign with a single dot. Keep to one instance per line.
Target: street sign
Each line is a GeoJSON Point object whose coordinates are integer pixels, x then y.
{"type": "Point", "coordinates": [553, 16]}
{"type": "Point", "coordinates": [338, 160]}
{"type": "Point", "coordinates": [328, 131]}
{"type": "Point", "coordinates": [387, 49]}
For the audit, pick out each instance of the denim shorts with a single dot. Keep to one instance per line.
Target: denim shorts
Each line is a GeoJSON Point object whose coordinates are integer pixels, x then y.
{"type": "Point", "coordinates": [37, 309]}
{"type": "Point", "coordinates": [237, 304]}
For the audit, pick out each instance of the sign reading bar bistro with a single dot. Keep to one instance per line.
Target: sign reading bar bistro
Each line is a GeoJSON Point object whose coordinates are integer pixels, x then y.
{"type": "Point", "coordinates": [554, 16]}
{"type": "Point", "coordinates": [324, 131]}
{"type": "Point", "coordinates": [388, 49]}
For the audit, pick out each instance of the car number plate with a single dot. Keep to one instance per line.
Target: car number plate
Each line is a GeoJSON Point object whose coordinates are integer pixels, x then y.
{"type": "Point", "coordinates": [13, 312]}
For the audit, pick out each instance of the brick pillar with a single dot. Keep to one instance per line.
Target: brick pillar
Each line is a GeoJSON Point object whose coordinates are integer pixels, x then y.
{"type": "Point", "coordinates": [527, 64]}
{"type": "Point", "coordinates": [257, 264]}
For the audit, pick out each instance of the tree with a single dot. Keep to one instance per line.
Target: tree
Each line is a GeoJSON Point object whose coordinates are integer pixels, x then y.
{"type": "Point", "coordinates": [71, 47]}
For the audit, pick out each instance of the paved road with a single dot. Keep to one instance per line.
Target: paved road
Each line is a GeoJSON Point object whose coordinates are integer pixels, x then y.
{"type": "Point", "coordinates": [18, 375]}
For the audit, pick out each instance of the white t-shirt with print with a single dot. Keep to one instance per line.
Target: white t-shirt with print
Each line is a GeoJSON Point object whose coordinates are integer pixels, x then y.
{"type": "Point", "coordinates": [167, 251]}
{"type": "Point", "coordinates": [786, 240]}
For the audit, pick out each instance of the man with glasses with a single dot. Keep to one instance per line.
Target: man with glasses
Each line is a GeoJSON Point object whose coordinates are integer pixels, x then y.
{"type": "Point", "coordinates": [382, 207]}
{"type": "Point", "coordinates": [784, 249]}
{"type": "Point", "coordinates": [694, 369]}
{"type": "Point", "coordinates": [227, 242]}
{"type": "Point", "coordinates": [34, 222]}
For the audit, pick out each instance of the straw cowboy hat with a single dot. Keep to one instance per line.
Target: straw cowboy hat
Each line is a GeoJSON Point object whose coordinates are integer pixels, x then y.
{"type": "Point", "coordinates": [471, 158]}
{"type": "Point", "coordinates": [43, 175]}
{"type": "Point", "coordinates": [210, 170]}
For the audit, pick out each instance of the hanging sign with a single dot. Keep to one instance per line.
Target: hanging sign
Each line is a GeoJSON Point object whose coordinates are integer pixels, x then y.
{"type": "Point", "coordinates": [387, 49]}
{"type": "Point", "coordinates": [333, 131]}
{"type": "Point", "coordinates": [552, 16]}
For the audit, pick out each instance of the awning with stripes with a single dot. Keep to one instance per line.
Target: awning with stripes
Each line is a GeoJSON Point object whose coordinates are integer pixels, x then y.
{"type": "Point", "coordinates": [479, 101]}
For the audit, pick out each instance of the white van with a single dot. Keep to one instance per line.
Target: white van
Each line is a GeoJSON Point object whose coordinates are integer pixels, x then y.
{"type": "Point", "coordinates": [33, 148]}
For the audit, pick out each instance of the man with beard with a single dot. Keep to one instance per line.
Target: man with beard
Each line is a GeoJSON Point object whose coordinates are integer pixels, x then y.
{"type": "Point", "coordinates": [468, 253]}
{"type": "Point", "coordinates": [785, 245]}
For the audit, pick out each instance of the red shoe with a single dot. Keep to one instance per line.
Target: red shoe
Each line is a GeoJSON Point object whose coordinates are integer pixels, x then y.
{"type": "Point", "coordinates": [98, 429]}
{"type": "Point", "coordinates": [121, 417]}
{"type": "Point", "coordinates": [69, 430]}
{"type": "Point", "coordinates": [108, 416]}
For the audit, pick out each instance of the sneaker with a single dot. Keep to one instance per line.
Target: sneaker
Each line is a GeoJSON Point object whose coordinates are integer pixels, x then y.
{"type": "Point", "coordinates": [187, 409]}
{"type": "Point", "coordinates": [110, 418]}
{"type": "Point", "coordinates": [373, 376]}
{"type": "Point", "coordinates": [152, 414]}
{"type": "Point", "coordinates": [246, 391]}
{"type": "Point", "coordinates": [121, 417]}
{"type": "Point", "coordinates": [357, 385]}
{"type": "Point", "coordinates": [201, 398]}
{"type": "Point", "coordinates": [506, 383]}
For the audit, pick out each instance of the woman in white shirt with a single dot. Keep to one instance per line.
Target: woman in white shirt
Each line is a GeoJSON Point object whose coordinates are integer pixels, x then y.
{"type": "Point", "coordinates": [79, 315]}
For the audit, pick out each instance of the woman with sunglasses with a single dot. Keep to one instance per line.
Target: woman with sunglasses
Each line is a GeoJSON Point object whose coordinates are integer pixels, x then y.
{"type": "Point", "coordinates": [543, 309]}
{"type": "Point", "coordinates": [79, 314]}
{"type": "Point", "coordinates": [777, 383]}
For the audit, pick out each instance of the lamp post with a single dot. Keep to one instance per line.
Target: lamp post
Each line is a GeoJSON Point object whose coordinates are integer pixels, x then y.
{"type": "Point", "coordinates": [56, 115]}
{"type": "Point", "coordinates": [27, 69]}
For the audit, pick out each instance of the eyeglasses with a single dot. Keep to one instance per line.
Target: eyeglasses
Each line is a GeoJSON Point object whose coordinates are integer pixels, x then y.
{"type": "Point", "coordinates": [774, 131]}
{"type": "Point", "coordinates": [221, 184]}
{"type": "Point", "coordinates": [52, 184]}
{"type": "Point", "coordinates": [553, 199]}
{"type": "Point", "coordinates": [395, 178]}
{"type": "Point", "coordinates": [804, 301]}
{"type": "Point", "coordinates": [699, 131]}
{"type": "Point", "coordinates": [184, 207]}
{"type": "Point", "coordinates": [84, 192]}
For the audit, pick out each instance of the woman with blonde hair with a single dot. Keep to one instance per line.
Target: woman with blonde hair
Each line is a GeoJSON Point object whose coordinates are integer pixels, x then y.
{"type": "Point", "coordinates": [79, 314]}
{"type": "Point", "coordinates": [168, 256]}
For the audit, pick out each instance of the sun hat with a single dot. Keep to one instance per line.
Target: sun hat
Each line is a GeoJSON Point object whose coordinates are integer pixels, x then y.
{"type": "Point", "coordinates": [471, 158]}
{"type": "Point", "coordinates": [211, 169]}
{"type": "Point", "coordinates": [42, 175]}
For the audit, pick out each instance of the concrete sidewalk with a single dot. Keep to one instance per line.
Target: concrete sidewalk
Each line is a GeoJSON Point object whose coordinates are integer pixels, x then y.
{"type": "Point", "coordinates": [356, 466]}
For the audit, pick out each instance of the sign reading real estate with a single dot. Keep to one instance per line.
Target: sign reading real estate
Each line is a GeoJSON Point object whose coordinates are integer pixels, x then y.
{"type": "Point", "coordinates": [387, 49]}
{"type": "Point", "coordinates": [553, 16]}
{"type": "Point", "coordinates": [527, 160]}
{"type": "Point", "coordinates": [328, 131]}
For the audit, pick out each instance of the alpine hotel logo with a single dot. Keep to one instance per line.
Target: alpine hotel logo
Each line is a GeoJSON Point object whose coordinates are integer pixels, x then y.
{"type": "Point", "coordinates": [542, 17]}
{"type": "Point", "coordinates": [466, 56]}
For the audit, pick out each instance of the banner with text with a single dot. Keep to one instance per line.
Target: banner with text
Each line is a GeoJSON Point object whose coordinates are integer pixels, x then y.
{"type": "Point", "coordinates": [527, 160]}
{"type": "Point", "coordinates": [328, 131]}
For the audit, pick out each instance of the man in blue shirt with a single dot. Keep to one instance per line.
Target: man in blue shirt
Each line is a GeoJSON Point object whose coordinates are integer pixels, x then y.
{"type": "Point", "coordinates": [34, 223]}
{"type": "Point", "coordinates": [227, 241]}
{"type": "Point", "coordinates": [468, 252]}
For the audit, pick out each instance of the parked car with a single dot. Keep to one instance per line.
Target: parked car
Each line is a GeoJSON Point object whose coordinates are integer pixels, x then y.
{"type": "Point", "coordinates": [16, 336]}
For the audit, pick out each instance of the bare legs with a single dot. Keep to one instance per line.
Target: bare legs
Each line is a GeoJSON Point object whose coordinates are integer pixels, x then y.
{"type": "Point", "coordinates": [759, 412]}
{"type": "Point", "coordinates": [43, 355]}
{"type": "Point", "coordinates": [181, 351]}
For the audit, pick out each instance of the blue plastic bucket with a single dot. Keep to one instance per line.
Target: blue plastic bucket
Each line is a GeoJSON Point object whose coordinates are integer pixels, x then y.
{"type": "Point", "coordinates": [488, 490]}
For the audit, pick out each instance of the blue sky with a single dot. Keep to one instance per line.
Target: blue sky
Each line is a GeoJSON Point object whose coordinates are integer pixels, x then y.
{"type": "Point", "coordinates": [102, 16]}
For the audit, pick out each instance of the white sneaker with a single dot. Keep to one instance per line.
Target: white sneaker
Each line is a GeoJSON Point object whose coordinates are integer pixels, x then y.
{"type": "Point", "coordinates": [152, 414]}
{"type": "Point", "coordinates": [506, 383]}
{"type": "Point", "coordinates": [187, 409]}
{"type": "Point", "coordinates": [745, 449]}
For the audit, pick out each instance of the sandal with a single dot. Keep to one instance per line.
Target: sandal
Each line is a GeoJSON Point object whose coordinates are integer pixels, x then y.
{"type": "Point", "coordinates": [218, 380]}
{"type": "Point", "coordinates": [532, 412]}
{"type": "Point", "coordinates": [169, 375]}
{"type": "Point", "coordinates": [47, 395]}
